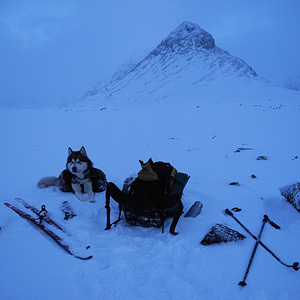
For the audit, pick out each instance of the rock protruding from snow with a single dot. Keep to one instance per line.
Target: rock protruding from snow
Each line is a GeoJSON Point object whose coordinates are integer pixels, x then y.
{"type": "Point", "coordinates": [221, 234]}
{"type": "Point", "coordinates": [292, 194]}
{"type": "Point", "coordinates": [187, 37]}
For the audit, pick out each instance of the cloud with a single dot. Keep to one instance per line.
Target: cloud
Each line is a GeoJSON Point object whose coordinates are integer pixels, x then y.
{"type": "Point", "coordinates": [33, 21]}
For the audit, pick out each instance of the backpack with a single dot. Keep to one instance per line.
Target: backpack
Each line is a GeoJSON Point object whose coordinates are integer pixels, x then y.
{"type": "Point", "coordinates": [152, 199]}
{"type": "Point", "coordinates": [158, 171]}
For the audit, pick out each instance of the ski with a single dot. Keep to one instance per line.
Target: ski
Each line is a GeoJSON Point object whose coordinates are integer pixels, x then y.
{"type": "Point", "coordinates": [46, 230]}
{"type": "Point", "coordinates": [295, 265]}
{"type": "Point", "coordinates": [42, 215]}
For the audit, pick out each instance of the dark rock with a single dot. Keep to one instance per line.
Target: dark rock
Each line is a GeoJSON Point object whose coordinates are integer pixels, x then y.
{"type": "Point", "coordinates": [242, 149]}
{"type": "Point", "coordinates": [234, 183]}
{"type": "Point", "coordinates": [292, 194]}
{"type": "Point", "coordinates": [262, 157]}
{"type": "Point", "coordinates": [221, 234]}
{"type": "Point", "coordinates": [186, 37]}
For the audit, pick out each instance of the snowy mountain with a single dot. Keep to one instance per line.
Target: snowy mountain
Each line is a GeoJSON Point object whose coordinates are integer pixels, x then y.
{"type": "Point", "coordinates": [186, 61]}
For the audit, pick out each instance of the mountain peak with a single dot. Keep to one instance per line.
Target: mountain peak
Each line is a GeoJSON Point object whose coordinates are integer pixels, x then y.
{"type": "Point", "coordinates": [185, 62]}
{"type": "Point", "coordinates": [186, 37]}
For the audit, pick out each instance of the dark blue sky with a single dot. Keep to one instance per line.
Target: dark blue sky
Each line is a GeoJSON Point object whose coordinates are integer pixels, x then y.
{"type": "Point", "coordinates": [53, 51]}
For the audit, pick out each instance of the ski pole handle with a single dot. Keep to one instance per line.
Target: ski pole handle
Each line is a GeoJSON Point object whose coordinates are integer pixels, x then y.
{"type": "Point", "coordinates": [296, 266]}
{"type": "Point", "coordinates": [228, 212]}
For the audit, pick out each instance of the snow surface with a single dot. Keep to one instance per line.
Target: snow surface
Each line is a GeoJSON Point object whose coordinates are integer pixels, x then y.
{"type": "Point", "coordinates": [198, 136]}
{"type": "Point", "coordinates": [293, 83]}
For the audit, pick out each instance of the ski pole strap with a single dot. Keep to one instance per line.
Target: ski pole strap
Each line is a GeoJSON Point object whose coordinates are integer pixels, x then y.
{"type": "Point", "coordinates": [43, 210]}
{"type": "Point", "coordinates": [295, 265]}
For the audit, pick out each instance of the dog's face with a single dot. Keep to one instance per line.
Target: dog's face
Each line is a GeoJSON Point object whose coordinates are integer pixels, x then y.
{"type": "Point", "coordinates": [78, 162]}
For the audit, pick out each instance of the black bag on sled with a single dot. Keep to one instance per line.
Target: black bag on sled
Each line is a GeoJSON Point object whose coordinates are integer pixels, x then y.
{"type": "Point", "coordinates": [152, 197]}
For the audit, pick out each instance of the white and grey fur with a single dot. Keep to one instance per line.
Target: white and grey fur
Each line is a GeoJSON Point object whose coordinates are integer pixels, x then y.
{"type": "Point", "coordinates": [78, 164]}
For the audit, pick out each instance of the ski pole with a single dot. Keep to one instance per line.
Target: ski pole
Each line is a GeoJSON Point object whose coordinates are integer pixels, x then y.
{"type": "Point", "coordinates": [243, 282]}
{"type": "Point", "coordinates": [295, 265]}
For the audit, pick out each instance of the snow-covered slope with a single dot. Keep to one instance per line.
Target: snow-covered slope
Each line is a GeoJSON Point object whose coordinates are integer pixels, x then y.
{"type": "Point", "coordinates": [186, 61]}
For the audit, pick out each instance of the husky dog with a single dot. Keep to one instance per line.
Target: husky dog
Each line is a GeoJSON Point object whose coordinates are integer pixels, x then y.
{"type": "Point", "coordinates": [79, 165]}
{"type": "Point", "coordinates": [79, 177]}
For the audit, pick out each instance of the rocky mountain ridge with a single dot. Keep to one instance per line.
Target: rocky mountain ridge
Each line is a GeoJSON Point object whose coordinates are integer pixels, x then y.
{"type": "Point", "coordinates": [187, 59]}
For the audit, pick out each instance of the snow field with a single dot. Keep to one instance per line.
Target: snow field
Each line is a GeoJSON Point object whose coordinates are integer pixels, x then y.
{"type": "Point", "coordinates": [199, 138]}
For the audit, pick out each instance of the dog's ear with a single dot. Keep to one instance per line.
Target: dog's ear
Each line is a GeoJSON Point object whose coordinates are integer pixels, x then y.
{"type": "Point", "coordinates": [70, 151]}
{"type": "Point", "coordinates": [83, 151]}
